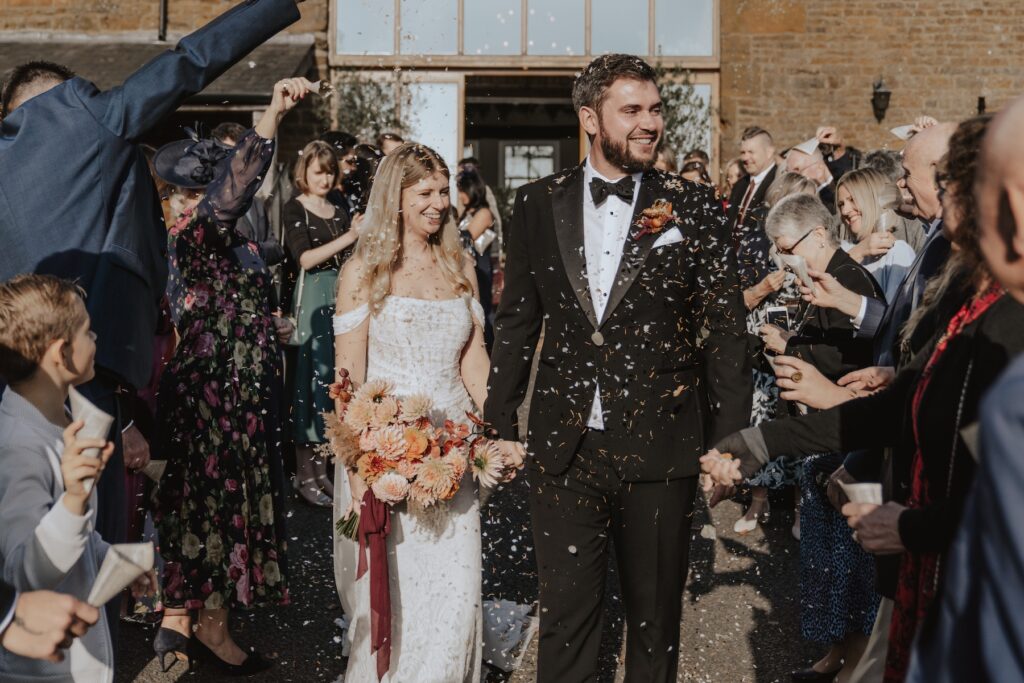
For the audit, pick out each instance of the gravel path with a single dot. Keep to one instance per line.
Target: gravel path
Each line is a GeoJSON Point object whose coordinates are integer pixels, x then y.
{"type": "Point", "coordinates": [741, 616]}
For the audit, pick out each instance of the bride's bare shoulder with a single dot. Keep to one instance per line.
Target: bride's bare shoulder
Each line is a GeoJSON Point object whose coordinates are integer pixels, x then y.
{"type": "Point", "coordinates": [352, 290]}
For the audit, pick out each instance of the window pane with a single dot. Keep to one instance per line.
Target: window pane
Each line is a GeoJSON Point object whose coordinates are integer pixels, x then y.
{"type": "Point", "coordinates": [492, 27]}
{"type": "Point", "coordinates": [434, 117]}
{"type": "Point", "coordinates": [684, 28]}
{"type": "Point", "coordinates": [430, 27]}
{"type": "Point", "coordinates": [525, 163]}
{"type": "Point", "coordinates": [555, 27]}
{"type": "Point", "coordinates": [619, 26]}
{"type": "Point", "coordinates": [366, 27]}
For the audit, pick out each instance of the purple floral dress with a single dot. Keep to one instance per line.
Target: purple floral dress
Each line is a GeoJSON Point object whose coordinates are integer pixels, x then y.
{"type": "Point", "coordinates": [218, 510]}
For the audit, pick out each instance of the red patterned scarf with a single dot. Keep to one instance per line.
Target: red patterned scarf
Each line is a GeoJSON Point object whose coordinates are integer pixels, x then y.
{"type": "Point", "coordinates": [920, 572]}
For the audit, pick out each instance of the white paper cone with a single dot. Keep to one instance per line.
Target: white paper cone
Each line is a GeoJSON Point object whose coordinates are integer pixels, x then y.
{"type": "Point", "coordinates": [124, 563]}
{"type": "Point", "coordinates": [798, 265]}
{"type": "Point", "coordinates": [807, 146]}
{"type": "Point", "coordinates": [97, 424]}
{"type": "Point", "coordinates": [863, 493]}
{"type": "Point", "coordinates": [903, 132]}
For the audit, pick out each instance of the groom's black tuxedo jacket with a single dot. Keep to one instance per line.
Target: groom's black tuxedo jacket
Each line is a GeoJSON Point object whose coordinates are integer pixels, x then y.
{"type": "Point", "coordinates": [669, 350]}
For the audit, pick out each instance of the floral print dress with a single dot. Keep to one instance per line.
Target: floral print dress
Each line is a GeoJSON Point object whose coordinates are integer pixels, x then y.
{"type": "Point", "coordinates": [220, 530]}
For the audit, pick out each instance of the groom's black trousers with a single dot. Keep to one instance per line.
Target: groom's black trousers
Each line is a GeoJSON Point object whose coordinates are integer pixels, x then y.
{"type": "Point", "coordinates": [574, 514]}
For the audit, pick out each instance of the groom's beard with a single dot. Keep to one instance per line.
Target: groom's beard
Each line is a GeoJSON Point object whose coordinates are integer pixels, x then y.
{"type": "Point", "coordinates": [619, 155]}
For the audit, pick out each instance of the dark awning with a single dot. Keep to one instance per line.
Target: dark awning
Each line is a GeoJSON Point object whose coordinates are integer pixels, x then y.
{"type": "Point", "coordinates": [107, 63]}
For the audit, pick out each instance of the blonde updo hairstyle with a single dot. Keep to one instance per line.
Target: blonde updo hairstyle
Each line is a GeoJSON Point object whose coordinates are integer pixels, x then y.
{"type": "Point", "coordinates": [873, 193]}
{"type": "Point", "coordinates": [379, 248]}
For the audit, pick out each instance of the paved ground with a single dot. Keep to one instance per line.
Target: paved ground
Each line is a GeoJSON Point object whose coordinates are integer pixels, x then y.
{"type": "Point", "coordinates": [740, 623]}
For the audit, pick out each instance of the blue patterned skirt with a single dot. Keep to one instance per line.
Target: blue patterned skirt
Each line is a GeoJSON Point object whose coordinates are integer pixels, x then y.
{"type": "Point", "coordinates": [837, 577]}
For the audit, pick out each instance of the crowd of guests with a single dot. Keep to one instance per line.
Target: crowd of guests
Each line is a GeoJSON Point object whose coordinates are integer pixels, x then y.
{"type": "Point", "coordinates": [884, 302]}
{"type": "Point", "coordinates": [872, 367]}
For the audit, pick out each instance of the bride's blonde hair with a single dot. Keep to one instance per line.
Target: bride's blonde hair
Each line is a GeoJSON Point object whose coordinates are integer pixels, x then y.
{"type": "Point", "coordinates": [380, 245]}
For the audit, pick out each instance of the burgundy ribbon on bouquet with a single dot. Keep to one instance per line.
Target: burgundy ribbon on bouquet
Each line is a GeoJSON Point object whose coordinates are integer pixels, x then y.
{"type": "Point", "coordinates": [374, 527]}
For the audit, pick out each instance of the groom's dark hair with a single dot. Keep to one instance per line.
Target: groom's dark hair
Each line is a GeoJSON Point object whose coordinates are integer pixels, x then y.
{"type": "Point", "coordinates": [591, 86]}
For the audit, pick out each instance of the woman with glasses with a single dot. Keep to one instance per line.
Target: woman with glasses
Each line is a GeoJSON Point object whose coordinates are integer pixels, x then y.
{"type": "Point", "coordinates": [837, 595]}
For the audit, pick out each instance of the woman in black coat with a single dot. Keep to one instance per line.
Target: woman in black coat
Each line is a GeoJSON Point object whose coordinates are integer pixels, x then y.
{"type": "Point", "coordinates": [837, 596]}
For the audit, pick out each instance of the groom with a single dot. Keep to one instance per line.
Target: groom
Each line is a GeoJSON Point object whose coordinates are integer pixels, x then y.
{"type": "Point", "coordinates": [644, 358]}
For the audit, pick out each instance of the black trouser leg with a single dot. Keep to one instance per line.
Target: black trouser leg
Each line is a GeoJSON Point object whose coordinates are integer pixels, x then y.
{"type": "Point", "coordinates": [570, 515]}
{"type": "Point", "coordinates": [651, 530]}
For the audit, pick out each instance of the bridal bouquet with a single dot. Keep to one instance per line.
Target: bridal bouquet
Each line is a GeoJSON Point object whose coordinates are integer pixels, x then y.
{"type": "Point", "coordinates": [400, 452]}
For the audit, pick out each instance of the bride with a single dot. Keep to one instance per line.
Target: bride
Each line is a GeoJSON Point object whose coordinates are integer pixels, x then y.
{"type": "Point", "coordinates": [407, 312]}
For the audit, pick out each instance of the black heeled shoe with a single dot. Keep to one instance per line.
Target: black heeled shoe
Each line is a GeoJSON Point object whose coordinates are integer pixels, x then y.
{"type": "Point", "coordinates": [170, 642]}
{"type": "Point", "coordinates": [810, 675]}
{"type": "Point", "coordinates": [254, 663]}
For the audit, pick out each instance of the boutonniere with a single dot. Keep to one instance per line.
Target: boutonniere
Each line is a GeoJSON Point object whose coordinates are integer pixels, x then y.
{"type": "Point", "coordinates": [655, 218]}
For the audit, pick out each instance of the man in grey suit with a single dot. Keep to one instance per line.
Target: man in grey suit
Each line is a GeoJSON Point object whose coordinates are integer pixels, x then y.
{"type": "Point", "coordinates": [976, 633]}
{"type": "Point", "coordinates": [77, 201]}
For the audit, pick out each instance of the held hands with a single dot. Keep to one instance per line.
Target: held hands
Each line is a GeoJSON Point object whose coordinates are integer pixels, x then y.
{"type": "Point", "coordinates": [868, 380]}
{"type": "Point", "coordinates": [720, 470]}
{"type": "Point", "coordinates": [875, 244]}
{"type": "Point", "coordinates": [515, 455]}
{"type": "Point", "coordinates": [775, 338]}
{"type": "Point", "coordinates": [45, 623]}
{"type": "Point", "coordinates": [876, 527]}
{"type": "Point", "coordinates": [76, 468]}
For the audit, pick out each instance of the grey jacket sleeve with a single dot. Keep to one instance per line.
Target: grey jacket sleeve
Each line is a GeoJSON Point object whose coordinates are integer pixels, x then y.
{"type": "Point", "coordinates": [42, 540]}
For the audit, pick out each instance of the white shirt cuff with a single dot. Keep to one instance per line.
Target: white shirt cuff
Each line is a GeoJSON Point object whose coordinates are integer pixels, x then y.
{"type": "Point", "coordinates": [859, 319]}
{"type": "Point", "coordinates": [63, 535]}
{"type": "Point", "coordinates": [6, 620]}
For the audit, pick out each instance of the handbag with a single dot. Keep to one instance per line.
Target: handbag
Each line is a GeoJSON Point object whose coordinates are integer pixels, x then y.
{"type": "Point", "coordinates": [483, 242]}
{"type": "Point", "coordinates": [294, 317]}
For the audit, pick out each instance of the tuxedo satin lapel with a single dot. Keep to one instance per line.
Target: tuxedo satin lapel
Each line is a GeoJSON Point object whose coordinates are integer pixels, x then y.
{"type": "Point", "coordinates": [567, 211]}
{"type": "Point", "coordinates": [636, 250]}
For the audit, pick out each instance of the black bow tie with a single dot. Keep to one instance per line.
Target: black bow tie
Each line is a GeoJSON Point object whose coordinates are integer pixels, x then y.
{"type": "Point", "coordinates": [602, 189]}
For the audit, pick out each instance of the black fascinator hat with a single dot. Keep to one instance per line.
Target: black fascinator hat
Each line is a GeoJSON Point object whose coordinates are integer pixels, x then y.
{"type": "Point", "coordinates": [191, 163]}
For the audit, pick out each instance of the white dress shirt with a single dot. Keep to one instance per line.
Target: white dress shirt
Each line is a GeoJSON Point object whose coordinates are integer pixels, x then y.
{"type": "Point", "coordinates": [605, 231]}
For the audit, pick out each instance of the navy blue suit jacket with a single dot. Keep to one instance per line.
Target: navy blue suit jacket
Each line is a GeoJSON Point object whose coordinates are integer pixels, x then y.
{"type": "Point", "coordinates": [76, 196]}
{"type": "Point", "coordinates": [977, 633]}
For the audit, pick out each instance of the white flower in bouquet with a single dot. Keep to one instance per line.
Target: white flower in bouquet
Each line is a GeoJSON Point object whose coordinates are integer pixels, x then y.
{"type": "Point", "coordinates": [391, 488]}
{"type": "Point", "coordinates": [487, 463]}
{"type": "Point", "coordinates": [416, 407]}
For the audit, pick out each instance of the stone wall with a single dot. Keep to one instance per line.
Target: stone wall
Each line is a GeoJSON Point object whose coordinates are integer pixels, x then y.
{"type": "Point", "coordinates": [791, 65]}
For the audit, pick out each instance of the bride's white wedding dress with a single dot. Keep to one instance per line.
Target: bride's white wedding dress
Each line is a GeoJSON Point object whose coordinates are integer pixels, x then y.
{"type": "Point", "coordinates": [433, 554]}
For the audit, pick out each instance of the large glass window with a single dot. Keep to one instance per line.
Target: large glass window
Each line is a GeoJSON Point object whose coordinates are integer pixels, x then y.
{"type": "Point", "coordinates": [619, 26]}
{"type": "Point", "coordinates": [429, 27]}
{"type": "Point", "coordinates": [366, 27]}
{"type": "Point", "coordinates": [556, 27]}
{"type": "Point", "coordinates": [524, 162]}
{"type": "Point", "coordinates": [492, 27]}
{"type": "Point", "coordinates": [684, 28]}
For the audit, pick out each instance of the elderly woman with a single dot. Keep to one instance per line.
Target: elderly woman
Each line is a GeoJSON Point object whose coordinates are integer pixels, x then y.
{"type": "Point", "coordinates": [921, 415]}
{"type": "Point", "coordinates": [867, 201]}
{"type": "Point", "coordinates": [218, 510]}
{"type": "Point", "coordinates": [838, 600]}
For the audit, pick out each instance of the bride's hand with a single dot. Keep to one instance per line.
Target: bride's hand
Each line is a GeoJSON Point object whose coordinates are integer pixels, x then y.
{"type": "Point", "coordinates": [514, 453]}
{"type": "Point", "coordinates": [358, 489]}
